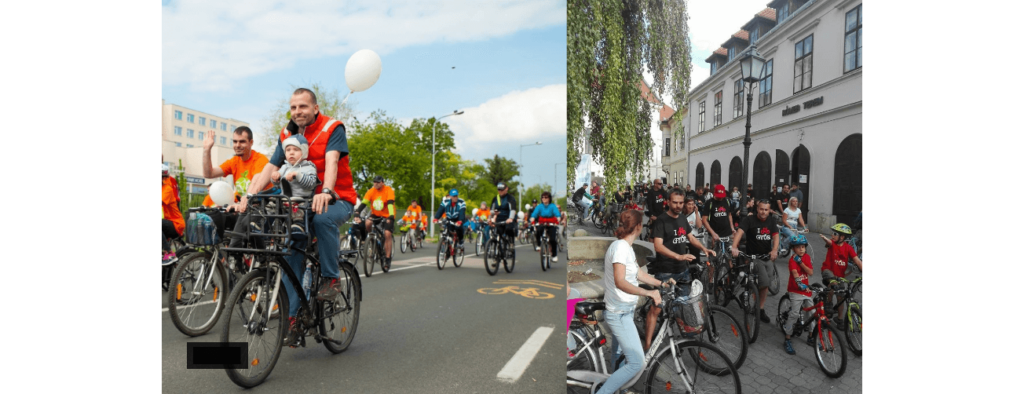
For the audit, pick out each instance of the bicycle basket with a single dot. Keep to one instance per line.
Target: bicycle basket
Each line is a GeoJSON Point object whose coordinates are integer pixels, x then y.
{"type": "Point", "coordinates": [201, 230]}
{"type": "Point", "coordinates": [691, 309]}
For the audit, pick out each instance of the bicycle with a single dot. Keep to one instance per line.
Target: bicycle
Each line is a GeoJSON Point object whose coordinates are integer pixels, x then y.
{"type": "Point", "coordinates": [562, 238]}
{"type": "Point", "coordinates": [545, 252]}
{"type": "Point", "coordinates": [373, 248]}
{"type": "Point", "coordinates": [853, 326]}
{"type": "Point", "coordinates": [351, 241]}
{"type": "Point", "coordinates": [821, 331]}
{"type": "Point", "coordinates": [446, 247]}
{"type": "Point", "coordinates": [723, 329]}
{"type": "Point", "coordinates": [408, 239]}
{"type": "Point", "coordinates": [686, 363]}
{"type": "Point", "coordinates": [526, 233]}
{"type": "Point", "coordinates": [250, 316]}
{"type": "Point", "coordinates": [500, 250]}
{"type": "Point", "coordinates": [739, 284]}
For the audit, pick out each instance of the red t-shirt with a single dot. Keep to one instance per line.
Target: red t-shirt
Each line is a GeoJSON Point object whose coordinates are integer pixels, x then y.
{"type": "Point", "coordinates": [801, 275]}
{"type": "Point", "coordinates": [837, 258]}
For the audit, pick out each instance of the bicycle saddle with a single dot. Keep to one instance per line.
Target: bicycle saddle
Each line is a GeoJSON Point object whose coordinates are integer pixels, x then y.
{"type": "Point", "coordinates": [347, 253]}
{"type": "Point", "coordinates": [588, 308]}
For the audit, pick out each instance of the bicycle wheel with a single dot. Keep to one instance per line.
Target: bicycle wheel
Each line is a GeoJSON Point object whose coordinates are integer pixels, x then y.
{"type": "Point", "coordinates": [724, 330]}
{"type": "Point", "coordinates": [829, 351]}
{"type": "Point", "coordinates": [510, 258]}
{"type": "Point", "coordinates": [460, 255]}
{"type": "Point", "coordinates": [579, 358]}
{"type": "Point", "coordinates": [854, 327]}
{"type": "Point", "coordinates": [774, 283]}
{"type": "Point", "coordinates": [749, 301]}
{"type": "Point", "coordinates": [442, 253]}
{"type": "Point", "coordinates": [198, 287]}
{"type": "Point", "coordinates": [696, 368]}
{"type": "Point", "coordinates": [340, 316]}
{"type": "Point", "coordinates": [370, 254]}
{"type": "Point", "coordinates": [785, 304]}
{"type": "Point", "coordinates": [490, 257]}
{"type": "Point", "coordinates": [250, 320]}
{"type": "Point", "coordinates": [405, 241]}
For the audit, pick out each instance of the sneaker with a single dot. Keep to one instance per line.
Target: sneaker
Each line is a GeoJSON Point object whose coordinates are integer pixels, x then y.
{"type": "Point", "coordinates": [789, 347]}
{"type": "Point", "coordinates": [536, 249]}
{"type": "Point", "coordinates": [169, 258]}
{"type": "Point", "coordinates": [330, 290]}
{"type": "Point", "coordinates": [554, 259]}
{"type": "Point", "coordinates": [292, 339]}
{"type": "Point", "coordinates": [387, 262]}
{"type": "Point", "coordinates": [764, 317]}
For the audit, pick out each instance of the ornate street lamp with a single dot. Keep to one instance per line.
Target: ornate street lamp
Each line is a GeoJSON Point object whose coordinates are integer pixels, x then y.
{"type": "Point", "coordinates": [752, 69]}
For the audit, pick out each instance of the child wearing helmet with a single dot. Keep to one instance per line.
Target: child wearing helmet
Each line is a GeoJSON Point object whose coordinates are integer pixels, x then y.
{"type": "Point", "coordinates": [299, 176]}
{"type": "Point", "coordinates": [839, 254]}
{"type": "Point", "coordinates": [800, 271]}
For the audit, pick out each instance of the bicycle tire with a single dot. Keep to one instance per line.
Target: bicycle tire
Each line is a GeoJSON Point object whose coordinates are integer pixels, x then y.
{"type": "Point", "coordinates": [785, 304]}
{"type": "Point", "coordinates": [545, 258]}
{"type": "Point", "coordinates": [854, 329]}
{"type": "Point", "coordinates": [405, 241]}
{"type": "Point", "coordinates": [234, 329]}
{"type": "Point", "coordinates": [582, 360]}
{"type": "Point", "coordinates": [490, 256]}
{"type": "Point", "coordinates": [725, 331]}
{"type": "Point", "coordinates": [460, 255]}
{"type": "Point", "coordinates": [476, 245]}
{"type": "Point", "coordinates": [511, 257]}
{"type": "Point", "coordinates": [708, 370]}
{"type": "Point", "coordinates": [774, 283]}
{"type": "Point", "coordinates": [751, 307]}
{"type": "Point", "coordinates": [442, 253]}
{"type": "Point", "coordinates": [349, 295]}
{"type": "Point", "coordinates": [826, 355]}
{"type": "Point", "coordinates": [370, 254]}
{"type": "Point", "coordinates": [190, 314]}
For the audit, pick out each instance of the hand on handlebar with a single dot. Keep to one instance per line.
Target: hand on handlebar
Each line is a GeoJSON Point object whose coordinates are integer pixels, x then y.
{"type": "Point", "coordinates": [773, 255]}
{"type": "Point", "coordinates": [458, 224]}
{"type": "Point", "coordinates": [686, 257]}
{"type": "Point", "coordinates": [669, 282]}
{"type": "Point", "coordinates": [735, 252]}
{"type": "Point", "coordinates": [656, 297]}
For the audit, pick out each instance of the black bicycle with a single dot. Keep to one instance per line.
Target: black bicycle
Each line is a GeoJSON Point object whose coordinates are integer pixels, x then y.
{"type": "Point", "coordinates": [500, 250]}
{"type": "Point", "coordinates": [447, 249]}
{"type": "Point", "coordinates": [545, 250]}
{"type": "Point", "coordinates": [256, 306]}
{"type": "Point", "coordinates": [740, 285]}
{"type": "Point", "coordinates": [373, 249]}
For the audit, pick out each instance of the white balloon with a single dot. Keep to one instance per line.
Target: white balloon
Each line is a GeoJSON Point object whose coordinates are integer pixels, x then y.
{"type": "Point", "coordinates": [475, 210]}
{"type": "Point", "coordinates": [520, 215]}
{"type": "Point", "coordinates": [527, 206]}
{"type": "Point", "coordinates": [222, 193]}
{"type": "Point", "coordinates": [362, 70]}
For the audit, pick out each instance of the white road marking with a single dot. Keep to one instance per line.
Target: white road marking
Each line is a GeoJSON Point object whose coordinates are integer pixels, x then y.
{"type": "Point", "coordinates": [515, 367]}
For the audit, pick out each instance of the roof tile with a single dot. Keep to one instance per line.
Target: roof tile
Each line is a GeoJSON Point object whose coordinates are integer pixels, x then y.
{"type": "Point", "coordinates": [767, 13]}
{"type": "Point", "coordinates": [742, 34]}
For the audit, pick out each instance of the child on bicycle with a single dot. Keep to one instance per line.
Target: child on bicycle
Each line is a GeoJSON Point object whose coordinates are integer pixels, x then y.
{"type": "Point", "coordinates": [299, 174]}
{"type": "Point", "coordinates": [800, 271]}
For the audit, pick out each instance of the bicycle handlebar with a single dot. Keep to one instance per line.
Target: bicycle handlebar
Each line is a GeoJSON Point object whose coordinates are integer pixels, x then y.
{"type": "Point", "coordinates": [756, 256]}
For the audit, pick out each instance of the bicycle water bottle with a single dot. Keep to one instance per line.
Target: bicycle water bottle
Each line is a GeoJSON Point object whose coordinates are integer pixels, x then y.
{"type": "Point", "coordinates": [307, 278]}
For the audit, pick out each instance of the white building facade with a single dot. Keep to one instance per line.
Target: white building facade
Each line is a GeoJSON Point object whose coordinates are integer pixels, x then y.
{"type": "Point", "coordinates": [183, 131]}
{"type": "Point", "coordinates": [806, 122]}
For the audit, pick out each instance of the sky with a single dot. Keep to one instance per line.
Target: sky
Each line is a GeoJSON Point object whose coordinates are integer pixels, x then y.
{"type": "Point", "coordinates": [711, 24]}
{"type": "Point", "coordinates": [502, 62]}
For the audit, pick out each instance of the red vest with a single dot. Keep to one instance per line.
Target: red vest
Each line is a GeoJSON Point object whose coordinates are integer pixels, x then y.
{"type": "Point", "coordinates": [318, 134]}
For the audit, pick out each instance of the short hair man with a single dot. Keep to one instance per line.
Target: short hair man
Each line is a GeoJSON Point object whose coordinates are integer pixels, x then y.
{"type": "Point", "coordinates": [762, 235]}
{"type": "Point", "coordinates": [243, 166]}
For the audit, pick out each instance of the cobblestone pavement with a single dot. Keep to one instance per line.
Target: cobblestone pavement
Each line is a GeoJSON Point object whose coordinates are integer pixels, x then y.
{"type": "Point", "coordinates": [768, 369]}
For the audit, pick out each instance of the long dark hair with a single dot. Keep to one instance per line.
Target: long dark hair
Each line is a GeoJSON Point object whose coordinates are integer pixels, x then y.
{"type": "Point", "coordinates": [628, 222]}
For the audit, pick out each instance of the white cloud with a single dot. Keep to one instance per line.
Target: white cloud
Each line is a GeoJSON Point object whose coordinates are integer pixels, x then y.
{"type": "Point", "coordinates": [713, 22]}
{"type": "Point", "coordinates": [209, 44]}
{"type": "Point", "coordinates": [700, 72]}
{"type": "Point", "coordinates": [529, 115]}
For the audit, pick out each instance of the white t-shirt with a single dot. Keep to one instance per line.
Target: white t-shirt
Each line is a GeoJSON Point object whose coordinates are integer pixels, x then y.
{"type": "Point", "coordinates": [692, 219]}
{"type": "Point", "coordinates": [617, 300]}
{"type": "Point", "coordinates": [792, 216]}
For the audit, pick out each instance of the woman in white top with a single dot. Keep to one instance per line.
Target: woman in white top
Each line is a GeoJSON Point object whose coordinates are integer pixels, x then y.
{"type": "Point", "coordinates": [791, 216]}
{"type": "Point", "coordinates": [620, 297]}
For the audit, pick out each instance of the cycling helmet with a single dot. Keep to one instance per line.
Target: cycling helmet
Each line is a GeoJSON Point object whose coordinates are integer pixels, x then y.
{"type": "Point", "coordinates": [501, 186]}
{"type": "Point", "coordinates": [842, 229]}
{"type": "Point", "coordinates": [798, 239]}
{"type": "Point", "coordinates": [166, 170]}
{"type": "Point", "coordinates": [535, 201]}
{"type": "Point", "coordinates": [453, 192]}
{"type": "Point", "coordinates": [378, 178]}
{"type": "Point", "coordinates": [300, 142]}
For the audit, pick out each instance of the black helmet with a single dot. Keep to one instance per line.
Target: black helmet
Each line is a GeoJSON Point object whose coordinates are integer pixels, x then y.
{"type": "Point", "coordinates": [378, 178]}
{"type": "Point", "coordinates": [535, 201]}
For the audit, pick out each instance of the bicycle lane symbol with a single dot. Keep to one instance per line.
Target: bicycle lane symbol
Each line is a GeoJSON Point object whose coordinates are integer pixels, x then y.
{"type": "Point", "coordinates": [528, 292]}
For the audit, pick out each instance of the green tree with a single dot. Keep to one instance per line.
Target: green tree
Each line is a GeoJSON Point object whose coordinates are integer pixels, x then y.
{"type": "Point", "coordinates": [610, 44]}
{"type": "Point", "coordinates": [328, 100]}
{"type": "Point", "coordinates": [500, 169]}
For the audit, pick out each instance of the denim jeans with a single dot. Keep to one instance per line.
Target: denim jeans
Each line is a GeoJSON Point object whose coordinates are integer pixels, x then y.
{"type": "Point", "coordinates": [787, 235]}
{"type": "Point", "coordinates": [682, 280]}
{"type": "Point", "coordinates": [625, 340]}
{"type": "Point", "coordinates": [586, 203]}
{"type": "Point", "coordinates": [326, 226]}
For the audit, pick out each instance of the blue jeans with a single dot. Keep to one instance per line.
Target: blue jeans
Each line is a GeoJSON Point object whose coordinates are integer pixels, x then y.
{"type": "Point", "coordinates": [682, 280]}
{"type": "Point", "coordinates": [586, 204]}
{"type": "Point", "coordinates": [326, 226]}
{"type": "Point", "coordinates": [787, 235]}
{"type": "Point", "coordinates": [625, 340]}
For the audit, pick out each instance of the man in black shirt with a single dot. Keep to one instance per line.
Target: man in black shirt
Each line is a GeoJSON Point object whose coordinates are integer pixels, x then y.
{"type": "Point", "coordinates": [717, 218]}
{"type": "Point", "coordinates": [672, 236]}
{"type": "Point", "coordinates": [782, 199]}
{"type": "Point", "coordinates": [762, 236]}
{"type": "Point", "coordinates": [657, 198]}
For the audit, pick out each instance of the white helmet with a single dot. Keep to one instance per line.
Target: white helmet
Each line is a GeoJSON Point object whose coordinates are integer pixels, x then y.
{"type": "Point", "coordinates": [520, 215]}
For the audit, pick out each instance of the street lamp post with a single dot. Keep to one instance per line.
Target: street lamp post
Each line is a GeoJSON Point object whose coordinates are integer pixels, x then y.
{"type": "Point", "coordinates": [555, 185]}
{"type": "Point", "coordinates": [520, 208]}
{"type": "Point", "coordinates": [433, 150]}
{"type": "Point", "coordinates": [752, 67]}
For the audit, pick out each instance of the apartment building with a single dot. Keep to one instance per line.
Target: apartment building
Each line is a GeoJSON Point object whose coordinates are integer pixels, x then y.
{"type": "Point", "coordinates": [183, 131]}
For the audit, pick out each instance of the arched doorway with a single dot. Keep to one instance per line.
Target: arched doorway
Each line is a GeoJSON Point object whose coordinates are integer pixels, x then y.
{"type": "Point", "coordinates": [802, 169]}
{"type": "Point", "coordinates": [716, 173]}
{"type": "Point", "coordinates": [699, 177]}
{"type": "Point", "coordinates": [736, 173]}
{"type": "Point", "coordinates": [781, 168]}
{"type": "Point", "coordinates": [762, 175]}
{"type": "Point", "coordinates": [846, 192]}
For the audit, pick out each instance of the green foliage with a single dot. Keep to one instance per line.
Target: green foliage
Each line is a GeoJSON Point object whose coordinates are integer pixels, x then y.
{"type": "Point", "coordinates": [500, 169]}
{"type": "Point", "coordinates": [610, 44]}
{"type": "Point", "coordinates": [330, 104]}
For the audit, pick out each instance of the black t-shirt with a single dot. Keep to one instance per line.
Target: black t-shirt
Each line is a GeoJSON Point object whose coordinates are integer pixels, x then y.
{"type": "Point", "coordinates": [656, 201]}
{"type": "Point", "coordinates": [759, 234]}
{"type": "Point", "coordinates": [578, 195]}
{"type": "Point", "coordinates": [502, 207]}
{"type": "Point", "coordinates": [784, 198]}
{"type": "Point", "coordinates": [717, 213]}
{"type": "Point", "coordinates": [673, 232]}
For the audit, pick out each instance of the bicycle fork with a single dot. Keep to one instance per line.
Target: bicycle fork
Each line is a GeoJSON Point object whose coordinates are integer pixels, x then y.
{"type": "Point", "coordinates": [251, 325]}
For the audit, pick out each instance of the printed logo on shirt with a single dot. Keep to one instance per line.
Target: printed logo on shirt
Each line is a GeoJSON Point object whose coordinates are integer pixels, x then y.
{"type": "Point", "coordinates": [763, 234]}
{"type": "Point", "coordinates": [680, 236]}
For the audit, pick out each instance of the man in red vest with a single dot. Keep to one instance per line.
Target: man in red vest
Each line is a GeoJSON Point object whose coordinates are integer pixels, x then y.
{"type": "Point", "coordinates": [328, 150]}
